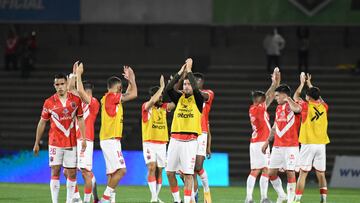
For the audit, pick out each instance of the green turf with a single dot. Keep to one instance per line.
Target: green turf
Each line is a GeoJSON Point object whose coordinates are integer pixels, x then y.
{"type": "Point", "coordinates": [40, 193]}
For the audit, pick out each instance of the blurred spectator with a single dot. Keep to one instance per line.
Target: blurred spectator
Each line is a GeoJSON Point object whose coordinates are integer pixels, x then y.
{"type": "Point", "coordinates": [303, 48]}
{"type": "Point", "coordinates": [273, 44]}
{"type": "Point", "coordinates": [11, 46]}
{"type": "Point", "coordinates": [28, 54]}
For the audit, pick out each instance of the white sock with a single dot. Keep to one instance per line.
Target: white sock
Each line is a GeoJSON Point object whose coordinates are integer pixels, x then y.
{"type": "Point", "coordinates": [291, 192]}
{"type": "Point", "coordinates": [158, 188]}
{"type": "Point", "coordinates": [204, 180]}
{"type": "Point", "coordinates": [152, 187]}
{"type": "Point", "coordinates": [250, 184]}
{"type": "Point", "coordinates": [264, 184]}
{"type": "Point", "coordinates": [87, 197]}
{"type": "Point", "coordinates": [176, 196]}
{"type": "Point", "coordinates": [187, 199]}
{"type": "Point", "coordinates": [77, 193]}
{"type": "Point", "coordinates": [108, 193]}
{"type": "Point", "coordinates": [113, 196]}
{"type": "Point", "coordinates": [277, 184]}
{"type": "Point", "coordinates": [70, 189]}
{"type": "Point", "coordinates": [193, 193]}
{"type": "Point", "coordinates": [54, 188]}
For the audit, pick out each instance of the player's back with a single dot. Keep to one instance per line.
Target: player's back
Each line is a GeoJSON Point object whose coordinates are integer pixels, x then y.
{"type": "Point", "coordinates": [259, 119]}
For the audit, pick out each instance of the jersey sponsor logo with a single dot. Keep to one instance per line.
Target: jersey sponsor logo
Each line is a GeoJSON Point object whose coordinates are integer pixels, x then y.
{"type": "Point", "coordinates": [185, 115]}
{"type": "Point", "coordinates": [160, 127]}
{"type": "Point", "coordinates": [318, 114]}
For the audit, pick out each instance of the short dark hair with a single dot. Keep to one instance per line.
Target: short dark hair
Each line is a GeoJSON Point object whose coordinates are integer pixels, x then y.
{"type": "Point", "coordinates": [88, 85]}
{"type": "Point", "coordinates": [112, 81]}
{"type": "Point", "coordinates": [313, 92]}
{"type": "Point", "coordinates": [199, 75]}
{"type": "Point", "coordinates": [284, 88]}
{"type": "Point", "coordinates": [60, 76]}
{"type": "Point", "coordinates": [257, 93]}
{"type": "Point", "coordinates": [153, 90]}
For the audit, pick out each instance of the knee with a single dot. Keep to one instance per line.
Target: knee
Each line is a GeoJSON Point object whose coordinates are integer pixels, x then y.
{"type": "Point", "coordinates": [170, 174]}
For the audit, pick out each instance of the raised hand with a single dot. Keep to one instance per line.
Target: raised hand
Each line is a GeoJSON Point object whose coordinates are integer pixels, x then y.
{"type": "Point", "coordinates": [75, 65]}
{"type": "Point", "coordinates": [302, 78]}
{"type": "Point", "coordinates": [128, 73]}
{"type": "Point", "coordinates": [79, 69]}
{"type": "Point", "coordinates": [189, 63]}
{"type": "Point", "coordinates": [182, 69]}
{"type": "Point", "coordinates": [162, 81]}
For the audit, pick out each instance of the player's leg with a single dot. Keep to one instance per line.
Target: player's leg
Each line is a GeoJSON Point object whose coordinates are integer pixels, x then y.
{"type": "Point", "coordinates": [320, 166]}
{"type": "Point", "coordinates": [264, 185]}
{"type": "Point", "coordinates": [150, 161]}
{"type": "Point", "coordinates": [199, 167]}
{"type": "Point", "coordinates": [85, 165]}
{"type": "Point", "coordinates": [55, 182]}
{"type": "Point", "coordinates": [276, 162]}
{"type": "Point", "coordinates": [187, 156]}
{"type": "Point", "coordinates": [115, 165]}
{"type": "Point", "coordinates": [56, 156]}
{"type": "Point", "coordinates": [300, 185]}
{"type": "Point", "coordinates": [158, 175]}
{"type": "Point", "coordinates": [160, 162]}
{"type": "Point", "coordinates": [291, 156]}
{"type": "Point", "coordinates": [250, 184]}
{"type": "Point", "coordinates": [70, 163]}
{"type": "Point", "coordinates": [305, 162]}
{"type": "Point", "coordinates": [172, 167]}
{"type": "Point", "coordinates": [152, 180]}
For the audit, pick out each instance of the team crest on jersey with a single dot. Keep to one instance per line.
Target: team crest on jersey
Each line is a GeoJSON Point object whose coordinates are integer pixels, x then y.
{"type": "Point", "coordinates": [73, 105]}
{"type": "Point", "coordinates": [65, 111]}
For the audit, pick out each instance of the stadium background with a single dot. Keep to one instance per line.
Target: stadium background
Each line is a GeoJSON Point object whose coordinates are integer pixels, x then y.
{"type": "Point", "coordinates": [224, 37]}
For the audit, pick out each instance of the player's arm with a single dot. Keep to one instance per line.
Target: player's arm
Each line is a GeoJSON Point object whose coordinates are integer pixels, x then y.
{"type": "Point", "coordinates": [81, 124]}
{"type": "Point", "coordinates": [80, 87]}
{"type": "Point", "coordinates": [72, 80]}
{"type": "Point", "coordinates": [208, 147]}
{"type": "Point", "coordinates": [181, 81]}
{"type": "Point", "coordinates": [170, 87]}
{"type": "Point", "coordinates": [297, 94]}
{"type": "Point", "coordinates": [197, 93]}
{"type": "Point", "coordinates": [156, 96]}
{"type": "Point", "coordinates": [40, 129]}
{"type": "Point", "coordinates": [131, 91]}
{"type": "Point", "coordinates": [310, 85]}
{"type": "Point", "coordinates": [205, 95]}
{"type": "Point", "coordinates": [269, 140]}
{"type": "Point", "coordinates": [270, 93]}
{"type": "Point", "coordinates": [295, 107]}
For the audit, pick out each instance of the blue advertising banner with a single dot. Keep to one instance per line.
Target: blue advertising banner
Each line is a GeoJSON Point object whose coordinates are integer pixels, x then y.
{"type": "Point", "coordinates": [24, 167]}
{"type": "Point", "coordinates": [40, 10]}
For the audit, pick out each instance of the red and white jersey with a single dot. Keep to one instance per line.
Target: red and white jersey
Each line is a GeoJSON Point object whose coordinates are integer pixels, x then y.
{"type": "Point", "coordinates": [206, 111]}
{"type": "Point", "coordinates": [287, 125]}
{"type": "Point", "coordinates": [91, 111]}
{"type": "Point", "coordinates": [259, 119]}
{"type": "Point", "coordinates": [62, 119]}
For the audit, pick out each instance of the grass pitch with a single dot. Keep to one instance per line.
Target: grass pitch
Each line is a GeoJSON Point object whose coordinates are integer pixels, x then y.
{"type": "Point", "coordinates": [40, 193]}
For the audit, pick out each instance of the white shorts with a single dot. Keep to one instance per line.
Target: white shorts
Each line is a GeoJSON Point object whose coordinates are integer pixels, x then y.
{"type": "Point", "coordinates": [85, 159]}
{"type": "Point", "coordinates": [113, 156]}
{"type": "Point", "coordinates": [259, 160]}
{"type": "Point", "coordinates": [202, 144]}
{"type": "Point", "coordinates": [312, 155]}
{"type": "Point", "coordinates": [284, 158]}
{"type": "Point", "coordinates": [181, 156]}
{"type": "Point", "coordinates": [62, 156]}
{"type": "Point", "coordinates": [155, 152]}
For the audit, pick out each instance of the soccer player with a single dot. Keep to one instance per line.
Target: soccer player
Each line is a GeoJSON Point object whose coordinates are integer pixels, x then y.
{"type": "Point", "coordinates": [204, 140]}
{"type": "Point", "coordinates": [185, 128]}
{"type": "Point", "coordinates": [61, 109]}
{"type": "Point", "coordinates": [313, 137]}
{"type": "Point", "coordinates": [155, 136]}
{"type": "Point", "coordinates": [285, 150]}
{"type": "Point", "coordinates": [112, 127]}
{"type": "Point", "coordinates": [90, 107]}
{"type": "Point", "coordinates": [259, 118]}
